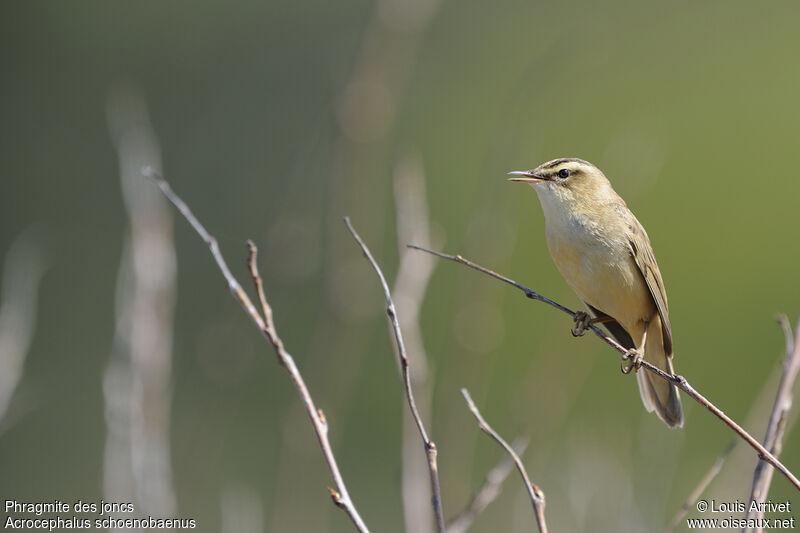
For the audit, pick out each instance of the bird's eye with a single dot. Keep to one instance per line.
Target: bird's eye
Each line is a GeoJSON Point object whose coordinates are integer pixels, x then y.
{"type": "Point", "coordinates": [563, 173]}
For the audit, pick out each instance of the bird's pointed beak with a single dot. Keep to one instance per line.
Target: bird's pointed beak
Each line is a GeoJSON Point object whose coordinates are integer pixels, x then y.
{"type": "Point", "coordinates": [525, 176]}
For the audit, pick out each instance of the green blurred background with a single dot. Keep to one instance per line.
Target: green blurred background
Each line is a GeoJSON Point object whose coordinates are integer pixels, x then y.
{"type": "Point", "coordinates": [277, 118]}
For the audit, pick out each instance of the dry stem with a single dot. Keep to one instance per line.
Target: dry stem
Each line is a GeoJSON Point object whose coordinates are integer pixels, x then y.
{"type": "Point", "coordinates": [535, 493]}
{"type": "Point", "coordinates": [266, 325]}
{"type": "Point", "coordinates": [776, 427]}
{"type": "Point", "coordinates": [430, 446]}
{"type": "Point", "coordinates": [677, 380]}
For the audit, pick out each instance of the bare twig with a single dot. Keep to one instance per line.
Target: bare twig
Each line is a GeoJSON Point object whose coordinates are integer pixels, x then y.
{"type": "Point", "coordinates": [776, 427]}
{"type": "Point", "coordinates": [705, 481]}
{"type": "Point", "coordinates": [413, 274]}
{"type": "Point", "coordinates": [488, 491]}
{"type": "Point", "coordinates": [677, 380]}
{"type": "Point", "coordinates": [535, 493]}
{"type": "Point", "coordinates": [430, 446]}
{"type": "Point", "coordinates": [265, 324]}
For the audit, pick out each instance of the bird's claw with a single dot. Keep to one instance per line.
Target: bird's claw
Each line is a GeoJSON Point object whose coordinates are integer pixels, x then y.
{"type": "Point", "coordinates": [631, 361]}
{"type": "Point", "coordinates": [582, 321]}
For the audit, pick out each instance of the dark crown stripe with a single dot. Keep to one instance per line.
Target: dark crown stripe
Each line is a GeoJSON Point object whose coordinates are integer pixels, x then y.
{"type": "Point", "coordinates": [556, 162]}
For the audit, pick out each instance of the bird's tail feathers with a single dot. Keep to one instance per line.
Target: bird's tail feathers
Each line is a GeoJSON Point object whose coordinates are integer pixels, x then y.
{"type": "Point", "coordinates": [659, 395]}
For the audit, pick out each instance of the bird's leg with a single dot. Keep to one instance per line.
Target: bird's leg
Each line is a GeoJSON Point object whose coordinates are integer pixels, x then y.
{"type": "Point", "coordinates": [583, 321]}
{"type": "Point", "coordinates": [633, 359]}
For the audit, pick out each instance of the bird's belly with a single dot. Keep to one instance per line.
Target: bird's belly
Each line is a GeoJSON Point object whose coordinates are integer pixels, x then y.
{"type": "Point", "coordinates": [604, 275]}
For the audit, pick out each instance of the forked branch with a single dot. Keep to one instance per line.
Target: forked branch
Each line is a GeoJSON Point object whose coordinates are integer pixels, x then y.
{"type": "Point", "coordinates": [266, 325]}
{"type": "Point", "coordinates": [678, 381]}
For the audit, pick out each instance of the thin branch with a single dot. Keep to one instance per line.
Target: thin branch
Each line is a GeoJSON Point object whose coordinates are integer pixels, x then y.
{"type": "Point", "coordinates": [488, 491]}
{"type": "Point", "coordinates": [430, 446]}
{"type": "Point", "coordinates": [266, 325]}
{"type": "Point", "coordinates": [266, 309]}
{"type": "Point", "coordinates": [535, 493]}
{"type": "Point", "coordinates": [776, 427]}
{"type": "Point", "coordinates": [677, 380]}
{"type": "Point", "coordinates": [705, 481]}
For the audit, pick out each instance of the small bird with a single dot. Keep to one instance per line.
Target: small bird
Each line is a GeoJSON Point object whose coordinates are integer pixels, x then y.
{"type": "Point", "coordinates": [604, 254]}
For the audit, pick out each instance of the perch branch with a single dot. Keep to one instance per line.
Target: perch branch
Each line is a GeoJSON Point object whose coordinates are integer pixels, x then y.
{"type": "Point", "coordinates": [488, 491]}
{"type": "Point", "coordinates": [776, 427]}
{"type": "Point", "coordinates": [535, 493]}
{"type": "Point", "coordinates": [430, 446]}
{"type": "Point", "coordinates": [677, 380]}
{"type": "Point", "coordinates": [266, 325]}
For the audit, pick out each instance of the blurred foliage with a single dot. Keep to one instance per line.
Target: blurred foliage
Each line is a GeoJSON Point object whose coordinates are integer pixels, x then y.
{"type": "Point", "coordinates": [277, 118]}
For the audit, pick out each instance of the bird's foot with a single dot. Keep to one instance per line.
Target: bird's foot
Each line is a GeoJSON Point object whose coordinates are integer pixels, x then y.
{"type": "Point", "coordinates": [582, 321]}
{"type": "Point", "coordinates": [631, 361]}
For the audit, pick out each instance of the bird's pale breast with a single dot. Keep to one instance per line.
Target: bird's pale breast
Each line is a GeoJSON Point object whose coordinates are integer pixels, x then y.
{"type": "Point", "coordinates": [596, 262]}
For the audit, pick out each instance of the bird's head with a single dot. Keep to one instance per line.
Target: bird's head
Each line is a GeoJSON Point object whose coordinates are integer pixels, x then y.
{"type": "Point", "coordinates": [567, 180]}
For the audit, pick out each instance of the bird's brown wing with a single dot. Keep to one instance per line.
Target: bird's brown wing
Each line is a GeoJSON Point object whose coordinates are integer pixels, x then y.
{"type": "Point", "coordinates": [646, 261]}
